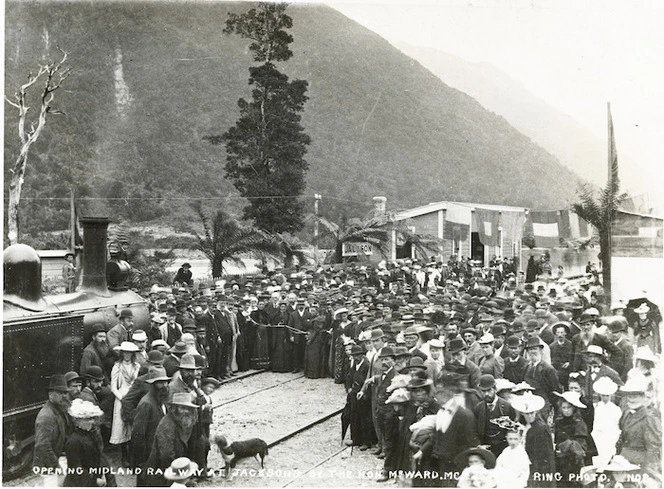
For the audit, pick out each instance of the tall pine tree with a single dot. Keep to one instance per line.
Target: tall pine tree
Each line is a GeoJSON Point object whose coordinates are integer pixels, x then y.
{"type": "Point", "coordinates": [265, 148]}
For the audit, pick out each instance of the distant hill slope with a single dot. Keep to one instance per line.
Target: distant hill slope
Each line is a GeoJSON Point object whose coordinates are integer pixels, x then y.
{"type": "Point", "coordinates": [151, 79]}
{"type": "Point", "coordinates": [559, 133]}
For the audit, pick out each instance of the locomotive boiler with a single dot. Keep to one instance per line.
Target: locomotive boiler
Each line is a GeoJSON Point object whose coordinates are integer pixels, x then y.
{"type": "Point", "coordinates": [45, 335]}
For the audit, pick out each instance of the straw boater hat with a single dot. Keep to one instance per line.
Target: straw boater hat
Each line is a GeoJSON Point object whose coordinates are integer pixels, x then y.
{"type": "Point", "coordinates": [573, 398]}
{"type": "Point", "coordinates": [127, 346]}
{"type": "Point", "coordinates": [635, 385]}
{"type": "Point", "coordinates": [605, 386]}
{"type": "Point", "coordinates": [84, 409]}
{"type": "Point", "coordinates": [139, 335]}
{"type": "Point", "coordinates": [181, 468]}
{"type": "Point", "coordinates": [504, 385]}
{"type": "Point", "coordinates": [645, 353]}
{"type": "Point", "coordinates": [486, 339]}
{"type": "Point", "coordinates": [527, 403]}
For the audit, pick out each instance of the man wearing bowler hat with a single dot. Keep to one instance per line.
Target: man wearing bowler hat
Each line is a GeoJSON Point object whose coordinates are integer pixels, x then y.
{"type": "Point", "coordinates": [622, 360]}
{"type": "Point", "coordinates": [491, 407]}
{"type": "Point", "coordinates": [96, 352]}
{"type": "Point", "coordinates": [385, 414]}
{"type": "Point", "coordinates": [184, 275]}
{"type": "Point", "coordinates": [149, 412]}
{"type": "Point", "coordinates": [460, 368]}
{"type": "Point", "coordinates": [540, 375]}
{"type": "Point", "coordinates": [52, 426]}
{"type": "Point", "coordinates": [561, 351]}
{"type": "Point", "coordinates": [596, 368]}
{"type": "Point", "coordinates": [375, 369]}
{"type": "Point", "coordinates": [361, 424]}
{"type": "Point", "coordinates": [120, 332]}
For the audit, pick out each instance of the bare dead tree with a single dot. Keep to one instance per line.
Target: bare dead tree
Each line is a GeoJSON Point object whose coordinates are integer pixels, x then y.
{"type": "Point", "coordinates": [53, 75]}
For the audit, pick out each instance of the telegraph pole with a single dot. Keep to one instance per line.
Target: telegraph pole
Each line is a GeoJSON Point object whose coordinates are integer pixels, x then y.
{"type": "Point", "coordinates": [317, 198]}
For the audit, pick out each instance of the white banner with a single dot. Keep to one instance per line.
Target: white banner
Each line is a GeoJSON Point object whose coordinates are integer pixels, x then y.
{"type": "Point", "coordinates": [545, 230]}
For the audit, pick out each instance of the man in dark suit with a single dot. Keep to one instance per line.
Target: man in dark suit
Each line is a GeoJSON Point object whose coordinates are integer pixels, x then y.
{"type": "Point", "coordinates": [361, 424]}
{"type": "Point", "coordinates": [410, 337]}
{"type": "Point", "coordinates": [455, 433]}
{"type": "Point", "coordinates": [460, 368]}
{"type": "Point", "coordinates": [596, 369]}
{"type": "Point", "coordinates": [385, 414]}
{"type": "Point", "coordinates": [623, 360]}
{"type": "Point", "coordinates": [121, 331]}
{"type": "Point", "coordinates": [96, 353]}
{"type": "Point", "coordinates": [299, 319]}
{"type": "Point", "coordinates": [150, 410]}
{"type": "Point", "coordinates": [540, 375]}
{"type": "Point", "coordinates": [515, 363]}
{"type": "Point", "coordinates": [225, 341]}
{"type": "Point", "coordinates": [492, 407]}
{"type": "Point", "coordinates": [561, 351]}
{"type": "Point", "coordinates": [585, 338]}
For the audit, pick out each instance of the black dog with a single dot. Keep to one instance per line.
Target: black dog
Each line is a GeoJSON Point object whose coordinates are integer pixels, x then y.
{"type": "Point", "coordinates": [255, 447]}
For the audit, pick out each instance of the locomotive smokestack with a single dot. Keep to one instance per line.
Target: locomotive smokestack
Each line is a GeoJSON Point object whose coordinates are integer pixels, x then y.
{"type": "Point", "coordinates": [94, 255]}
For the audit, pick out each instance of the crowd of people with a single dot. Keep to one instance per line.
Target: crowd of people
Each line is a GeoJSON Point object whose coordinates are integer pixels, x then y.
{"type": "Point", "coordinates": [451, 377]}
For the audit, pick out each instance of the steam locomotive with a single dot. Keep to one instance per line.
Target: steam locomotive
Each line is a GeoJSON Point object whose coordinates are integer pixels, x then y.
{"type": "Point", "coordinates": [45, 335]}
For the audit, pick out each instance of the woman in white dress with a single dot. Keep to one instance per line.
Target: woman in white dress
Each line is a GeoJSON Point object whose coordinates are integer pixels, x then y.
{"type": "Point", "coordinates": [513, 464]}
{"type": "Point", "coordinates": [123, 375]}
{"type": "Point", "coordinates": [606, 430]}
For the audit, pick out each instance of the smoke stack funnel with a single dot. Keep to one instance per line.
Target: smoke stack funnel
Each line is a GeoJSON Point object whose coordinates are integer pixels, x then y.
{"type": "Point", "coordinates": [380, 206]}
{"type": "Point", "coordinates": [94, 255]}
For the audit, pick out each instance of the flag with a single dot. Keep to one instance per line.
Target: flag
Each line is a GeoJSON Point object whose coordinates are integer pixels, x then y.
{"type": "Point", "coordinates": [564, 225]}
{"type": "Point", "coordinates": [457, 222]}
{"type": "Point", "coordinates": [545, 228]}
{"type": "Point", "coordinates": [487, 222]}
{"type": "Point", "coordinates": [613, 154]}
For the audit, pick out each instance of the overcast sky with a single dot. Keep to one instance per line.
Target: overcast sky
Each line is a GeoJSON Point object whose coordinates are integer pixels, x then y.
{"type": "Point", "coordinates": [576, 55]}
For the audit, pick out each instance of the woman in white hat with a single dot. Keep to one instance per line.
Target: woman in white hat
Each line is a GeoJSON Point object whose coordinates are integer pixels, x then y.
{"type": "Point", "coordinates": [646, 363]}
{"type": "Point", "coordinates": [646, 332]}
{"type": "Point", "coordinates": [84, 446]}
{"type": "Point", "coordinates": [123, 375]}
{"type": "Point", "coordinates": [605, 425]}
{"type": "Point", "coordinates": [538, 442]}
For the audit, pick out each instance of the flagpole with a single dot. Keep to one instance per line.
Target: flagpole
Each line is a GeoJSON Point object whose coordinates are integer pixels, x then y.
{"type": "Point", "coordinates": [612, 177]}
{"type": "Point", "coordinates": [72, 222]}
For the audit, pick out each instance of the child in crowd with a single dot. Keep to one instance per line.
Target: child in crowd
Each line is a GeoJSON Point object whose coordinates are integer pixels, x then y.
{"type": "Point", "coordinates": [513, 464]}
{"type": "Point", "coordinates": [181, 470]}
{"type": "Point", "coordinates": [208, 386]}
{"type": "Point", "coordinates": [477, 473]}
{"type": "Point", "coordinates": [606, 430]}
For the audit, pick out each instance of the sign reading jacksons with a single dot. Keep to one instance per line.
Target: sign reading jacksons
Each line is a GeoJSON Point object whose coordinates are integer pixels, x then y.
{"type": "Point", "coordinates": [357, 249]}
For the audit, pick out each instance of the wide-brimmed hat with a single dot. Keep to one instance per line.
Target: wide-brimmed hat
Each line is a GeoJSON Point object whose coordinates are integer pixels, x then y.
{"type": "Point", "coordinates": [210, 380]}
{"type": "Point", "coordinates": [419, 383]}
{"type": "Point", "coordinates": [127, 346]}
{"type": "Point", "coordinates": [182, 399]}
{"type": "Point", "coordinates": [178, 347]}
{"type": "Point", "coordinates": [399, 382]}
{"type": "Point", "coordinates": [181, 468]}
{"type": "Point", "coordinates": [527, 403]}
{"type": "Point", "coordinates": [586, 318]}
{"type": "Point", "coordinates": [386, 351]}
{"type": "Point", "coordinates": [436, 343]}
{"type": "Point", "coordinates": [399, 396]}
{"type": "Point", "coordinates": [605, 386]}
{"type": "Point", "coordinates": [573, 398]}
{"type": "Point", "coordinates": [619, 463]}
{"type": "Point", "coordinates": [410, 330]}
{"type": "Point", "coordinates": [635, 385]}
{"type": "Point", "coordinates": [456, 345]}
{"type": "Point", "coordinates": [642, 309]}
{"type": "Point", "coordinates": [523, 386]}
{"type": "Point", "coordinates": [504, 385]}
{"type": "Point", "coordinates": [645, 353]}
{"type": "Point", "coordinates": [58, 383]}
{"type": "Point", "coordinates": [489, 458]}
{"type": "Point", "coordinates": [84, 409]}
{"type": "Point", "coordinates": [416, 362]}
{"type": "Point", "coordinates": [560, 324]}
{"type": "Point", "coordinates": [188, 362]}
{"type": "Point", "coordinates": [156, 374]}
{"type": "Point", "coordinates": [94, 372]}
{"type": "Point", "coordinates": [617, 323]}
{"type": "Point", "coordinates": [401, 351]}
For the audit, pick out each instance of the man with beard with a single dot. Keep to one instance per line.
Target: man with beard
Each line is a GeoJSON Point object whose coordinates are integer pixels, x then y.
{"type": "Point", "coordinates": [299, 319]}
{"type": "Point", "coordinates": [187, 381]}
{"type": "Point", "coordinates": [460, 368]}
{"type": "Point", "coordinates": [120, 332]}
{"type": "Point", "coordinates": [584, 339]}
{"type": "Point", "coordinates": [515, 364]}
{"type": "Point", "coordinates": [171, 440]}
{"type": "Point", "coordinates": [561, 351]}
{"type": "Point", "coordinates": [452, 331]}
{"type": "Point", "coordinates": [596, 369]}
{"type": "Point", "coordinates": [224, 323]}
{"type": "Point", "coordinates": [97, 352]}
{"type": "Point", "coordinates": [149, 412]}
{"type": "Point", "coordinates": [492, 407]}
{"type": "Point", "coordinates": [52, 428]}
{"type": "Point", "coordinates": [540, 374]}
